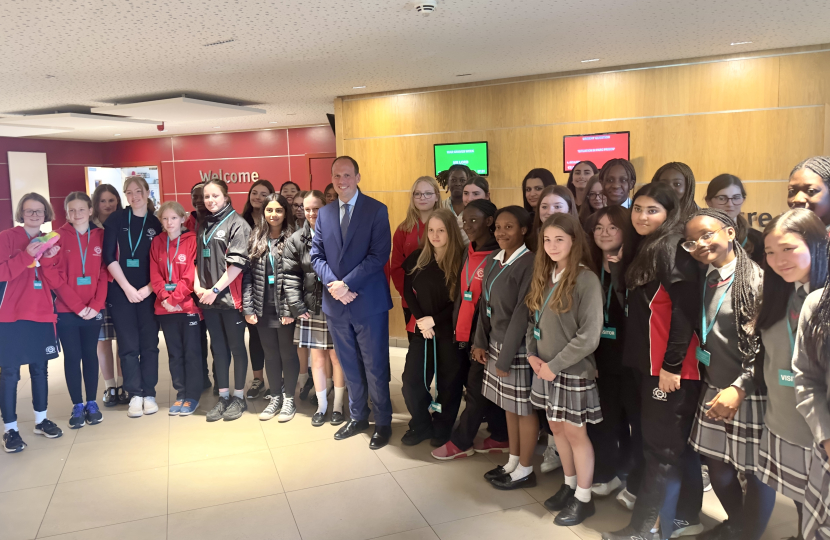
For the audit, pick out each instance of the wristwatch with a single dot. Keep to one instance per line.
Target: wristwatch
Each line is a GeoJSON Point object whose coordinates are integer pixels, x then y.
{"type": "Point", "coordinates": [215, 290]}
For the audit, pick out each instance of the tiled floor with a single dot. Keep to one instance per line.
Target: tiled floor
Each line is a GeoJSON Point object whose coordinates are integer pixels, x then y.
{"type": "Point", "coordinates": [160, 477]}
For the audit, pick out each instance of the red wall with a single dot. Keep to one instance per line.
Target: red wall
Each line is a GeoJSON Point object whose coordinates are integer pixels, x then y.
{"type": "Point", "coordinates": [277, 155]}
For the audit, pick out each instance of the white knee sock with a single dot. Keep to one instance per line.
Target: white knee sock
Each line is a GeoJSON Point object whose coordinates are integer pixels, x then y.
{"type": "Point", "coordinates": [583, 494]}
{"type": "Point", "coordinates": [40, 417]}
{"type": "Point", "coordinates": [338, 398]}
{"type": "Point", "coordinates": [512, 463]}
{"type": "Point", "coordinates": [322, 402]}
{"type": "Point", "coordinates": [521, 471]}
{"type": "Point", "coordinates": [10, 426]}
{"type": "Point", "coordinates": [571, 481]}
{"type": "Point", "coordinates": [329, 385]}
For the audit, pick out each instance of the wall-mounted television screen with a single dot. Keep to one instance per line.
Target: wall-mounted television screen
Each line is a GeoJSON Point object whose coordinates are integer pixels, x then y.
{"type": "Point", "coordinates": [596, 147]}
{"type": "Point", "coordinates": [471, 154]}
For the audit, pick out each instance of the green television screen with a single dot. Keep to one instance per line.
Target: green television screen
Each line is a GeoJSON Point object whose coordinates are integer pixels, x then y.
{"type": "Point", "coordinates": [471, 154]}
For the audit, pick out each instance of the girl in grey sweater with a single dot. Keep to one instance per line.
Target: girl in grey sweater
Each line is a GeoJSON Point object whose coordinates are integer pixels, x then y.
{"type": "Point", "coordinates": [565, 303]}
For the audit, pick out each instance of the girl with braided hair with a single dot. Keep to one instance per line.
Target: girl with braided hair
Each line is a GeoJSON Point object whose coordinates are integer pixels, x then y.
{"type": "Point", "coordinates": [729, 420]}
{"type": "Point", "coordinates": [796, 247]}
{"type": "Point", "coordinates": [809, 187]}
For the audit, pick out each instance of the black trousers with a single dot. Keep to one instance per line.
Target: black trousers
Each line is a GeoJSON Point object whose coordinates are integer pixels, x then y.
{"type": "Point", "coordinates": [478, 407]}
{"type": "Point", "coordinates": [79, 341]}
{"type": "Point", "coordinates": [672, 485]}
{"type": "Point", "coordinates": [138, 341]}
{"type": "Point", "coordinates": [227, 334]}
{"type": "Point", "coordinates": [255, 348]}
{"type": "Point", "coordinates": [10, 376]}
{"type": "Point", "coordinates": [282, 364]}
{"type": "Point", "coordinates": [184, 349]}
{"type": "Point", "coordinates": [449, 383]}
{"type": "Point", "coordinates": [618, 439]}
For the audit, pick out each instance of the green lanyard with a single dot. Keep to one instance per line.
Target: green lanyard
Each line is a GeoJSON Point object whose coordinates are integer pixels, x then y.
{"type": "Point", "coordinates": [271, 278]}
{"type": "Point", "coordinates": [743, 244]}
{"type": "Point", "coordinates": [169, 262]}
{"type": "Point", "coordinates": [608, 296]}
{"type": "Point", "coordinates": [503, 268]}
{"type": "Point", "coordinates": [37, 283]}
{"type": "Point", "coordinates": [470, 279]}
{"type": "Point", "coordinates": [129, 232]}
{"type": "Point", "coordinates": [704, 328]}
{"type": "Point", "coordinates": [206, 238]}
{"type": "Point", "coordinates": [83, 256]}
{"type": "Point", "coordinates": [537, 333]}
{"type": "Point", "coordinates": [434, 406]}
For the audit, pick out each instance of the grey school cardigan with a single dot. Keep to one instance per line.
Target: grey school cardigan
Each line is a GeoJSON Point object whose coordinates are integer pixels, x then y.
{"type": "Point", "coordinates": [812, 378]}
{"type": "Point", "coordinates": [570, 339]}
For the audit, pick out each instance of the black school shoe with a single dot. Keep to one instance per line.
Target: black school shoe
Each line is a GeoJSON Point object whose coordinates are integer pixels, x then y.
{"type": "Point", "coordinates": [492, 474]}
{"type": "Point", "coordinates": [575, 513]}
{"type": "Point", "coordinates": [235, 410]}
{"type": "Point", "coordinates": [413, 437]}
{"type": "Point", "coordinates": [110, 398]}
{"type": "Point", "coordinates": [123, 397]}
{"type": "Point", "coordinates": [12, 443]}
{"type": "Point", "coordinates": [318, 419]}
{"type": "Point", "coordinates": [48, 429]}
{"type": "Point", "coordinates": [337, 418]}
{"type": "Point", "coordinates": [560, 500]}
{"type": "Point", "coordinates": [506, 482]}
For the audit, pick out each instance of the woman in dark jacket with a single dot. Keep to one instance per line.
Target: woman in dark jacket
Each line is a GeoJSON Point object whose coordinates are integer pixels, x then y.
{"type": "Point", "coordinates": [263, 304]}
{"type": "Point", "coordinates": [304, 296]}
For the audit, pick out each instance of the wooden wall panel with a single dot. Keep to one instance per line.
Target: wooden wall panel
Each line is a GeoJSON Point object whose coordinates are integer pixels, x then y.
{"type": "Point", "coordinates": [804, 79]}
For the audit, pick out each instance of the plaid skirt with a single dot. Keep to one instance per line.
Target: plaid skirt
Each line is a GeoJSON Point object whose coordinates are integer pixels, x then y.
{"type": "Point", "coordinates": [735, 442]}
{"type": "Point", "coordinates": [567, 398]}
{"type": "Point", "coordinates": [783, 466]}
{"type": "Point", "coordinates": [817, 496]}
{"type": "Point", "coordinates": [108, 328]}
{"type": "Point", "coordinates": [511, 393]}
{"type": "Point", "coordinates": [313, 333]}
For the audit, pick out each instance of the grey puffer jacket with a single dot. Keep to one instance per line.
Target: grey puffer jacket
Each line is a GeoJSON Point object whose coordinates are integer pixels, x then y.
{"type": "Point", "coordinates": [254, 283]}
{"type": "Point", "coordinates": [303, 290]}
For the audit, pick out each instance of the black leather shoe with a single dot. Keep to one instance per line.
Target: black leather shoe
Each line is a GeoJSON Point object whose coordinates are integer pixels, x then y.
{"type": "Point", "coordinates": [492, 474]}
{"type": "Point", "coordinates": [575, 513]}
{"type": "Point", "coordinates": [380, 437]}
{"type": "Point", "coordinates": [337, 418]}
{"type": "Point", "coordinates": [413, 437]}
{"type": "Point", "coordinates": [351, 429]}
{"type": "Point", "coordinates": [318, 419]}
{"type": "Point", "coordinates": [560, 499]}
{"type": "Point", "coordinates": [506, 483]}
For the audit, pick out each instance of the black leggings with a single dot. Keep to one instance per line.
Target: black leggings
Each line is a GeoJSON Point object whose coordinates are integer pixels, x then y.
{"type": "Point", "coordinates": [227, 331]}
{"type": "Point", "coordinates": [751, 514]}
{"type": "Point", "coordinates": [79, 340]}
{"type": "Point", "coordinates": [255, 348]}
{"type": "Point", "coordinates": [282, 364]}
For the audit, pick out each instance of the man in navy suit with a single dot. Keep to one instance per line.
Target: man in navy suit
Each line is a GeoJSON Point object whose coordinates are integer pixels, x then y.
{"type": "Point", "coordinates": [351, 245]}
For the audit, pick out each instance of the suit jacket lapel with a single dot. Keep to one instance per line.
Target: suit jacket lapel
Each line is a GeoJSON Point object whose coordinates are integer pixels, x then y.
{"type": "Point", "coordinates": [358, 206]}
{"type": "Point", "coordinates": [336, 229]}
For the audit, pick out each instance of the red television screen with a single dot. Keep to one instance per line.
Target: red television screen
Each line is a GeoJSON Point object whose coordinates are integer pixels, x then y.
{"type": "Point", "coordinates": [597, 147]}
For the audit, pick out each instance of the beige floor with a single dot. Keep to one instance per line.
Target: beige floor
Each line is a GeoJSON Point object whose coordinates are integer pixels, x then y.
{"type": "Point", "coordinates": [160, 477]}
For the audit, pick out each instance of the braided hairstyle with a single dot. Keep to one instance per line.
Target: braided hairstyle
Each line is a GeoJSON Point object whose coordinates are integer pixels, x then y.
{"type": "Point", "coordinates": [819, 326]}
{"type": "Point", "coordinates": [746, 301]}
{"type": "Point", "coordinates": [818, 164]}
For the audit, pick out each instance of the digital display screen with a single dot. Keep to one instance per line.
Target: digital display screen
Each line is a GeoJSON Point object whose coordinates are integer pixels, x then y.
{"type": "Point", "coordinates": [597, 147]}
{"type": "Point", "coordinates": [472, 154]}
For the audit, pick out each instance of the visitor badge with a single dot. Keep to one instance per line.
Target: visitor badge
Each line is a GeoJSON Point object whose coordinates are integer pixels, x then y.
{"type": "Point", "coordinates": [786, 378]}
{"type": "Point", "coordinates": [38, 284]}
{"type": "Point", "coordinates": [132, 263]}
{"type": "Point", "coordinates": [169, 287]}
{"type": "Point", "coordinates": [435, 407]}
{"type": "Point", "coordinates": [702, 356]}
{"type": "Point", "coordinates": [86, 280]}
{"type": "Point", "coordinates": [270, 280]}
{"type": "Point", "coordinates": [537, 333]}
{"type": "Point", "coordinates": [608, 332]}
{"type": "Point", "coordinates": [468, 296]}
{"type": "Point", "coordinates": [206, 252]}
{"type": "Point", "coordinates": [489, 311]}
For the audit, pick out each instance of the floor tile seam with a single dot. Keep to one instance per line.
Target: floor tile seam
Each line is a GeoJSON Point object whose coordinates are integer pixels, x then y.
{"type": "Point", "coordinates": [100, 527]}
{"type": "Point", "coordinates": [415, 506]}
{"type": "Point", "coordinates": [55, 488]}
{"type": "Point", "coordinates": [484, 514]}
{"type": "Point", "coordinates": [59, 483]}
{"type": "Point", "coordinates": [218, 457]}
{"type": "Point", "coordinates": [225, 503]}
{"type": "Point", "coordinates": [287, 491]}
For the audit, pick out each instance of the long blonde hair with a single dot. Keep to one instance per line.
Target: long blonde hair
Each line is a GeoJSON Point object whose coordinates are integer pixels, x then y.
{"type": "Point", "coordinates": [543, 266]}
{"type": "Point", "coordinates": [451, 261]}
{"type": "Point", "coordinates": [413, 215]}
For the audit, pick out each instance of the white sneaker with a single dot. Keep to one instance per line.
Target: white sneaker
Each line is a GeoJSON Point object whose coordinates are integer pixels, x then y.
{"type": "Point", "coordinates": [150, 405]}
{"type": "Point", "coordinates": [288, 410]}
{"type": "Point", "coordinates": [607, 488]}
{"type": "Point", "coordinates": [272, 409]}
{"type": "Point", "coordinates": [627, 499]}
{"type": "Point", "coordinates": [136, 408]}
{"type": "Point", "coordinates": [551, 460]}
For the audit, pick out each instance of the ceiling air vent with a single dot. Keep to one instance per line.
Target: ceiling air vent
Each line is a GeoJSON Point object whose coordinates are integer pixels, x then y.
{"type": "Point", "coordinates": [222, 42]}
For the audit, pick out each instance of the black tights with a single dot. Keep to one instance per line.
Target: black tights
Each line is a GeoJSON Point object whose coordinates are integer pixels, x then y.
{"type": "Point", "coordinates": [750, 513]}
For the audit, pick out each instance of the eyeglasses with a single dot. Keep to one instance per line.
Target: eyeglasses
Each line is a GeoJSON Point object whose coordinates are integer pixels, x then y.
{"type": "Point", "coordinates": [595, 196]}
{"type": "Point", "coordinates": [704, 240]}
{"type": "Point", "coordinates": [611, 229]}
{"type": "Point", "coordinates": [30, 213]}
{"type": "Point", "coordinates": [424, 195]}
{"type": "Point", "coordinates": [723, 199]}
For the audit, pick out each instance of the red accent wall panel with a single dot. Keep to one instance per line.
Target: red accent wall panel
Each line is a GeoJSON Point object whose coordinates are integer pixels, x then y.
{"type": "Point", "coordinates": [273, 169]}
{"type": "Point", "coordinates": [5, 182]}
{"type": "Point", "coordinates": [138, 151]}
{"type": "Point", "coordinates": [83, 153]}
{"type": "Point", "coordinates": [64, 179]}
{"type": "Point", "coordinates": [311, 140]}
{"type": "Point", "coordinates": [299, 172]}
{"type": "Point", "coordinates": [167, 178]}
{"type": "Point", "coordinates": [231, 145]}
{"type": "Point", "coordinates": [6, 214]}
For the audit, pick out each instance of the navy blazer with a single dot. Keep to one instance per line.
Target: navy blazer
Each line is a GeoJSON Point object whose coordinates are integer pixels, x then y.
{"type": "Point", "coordinates": [358, 261]}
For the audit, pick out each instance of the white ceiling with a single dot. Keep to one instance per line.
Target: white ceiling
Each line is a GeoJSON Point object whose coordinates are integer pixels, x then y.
{"type": "Point", "coordinates": [292, 57]}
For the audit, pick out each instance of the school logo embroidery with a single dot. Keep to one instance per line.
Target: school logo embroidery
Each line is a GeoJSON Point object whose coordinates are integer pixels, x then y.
{"type": "Point", "coordinates": [182, 258]}
{"type": "Point", "coordinates": [50, 350]}
{"type": "Point", "coordinates": [658, 394]}
{"type": "Point", "coordinates": [220, 234]}
{"type": "Point", "coordinates": [480, 274]}
{"type": "Point", "coordinates": [151, 233]}
{"type": "Point", "coordinates": [194, 323]}
{"type": "Point", "coordinates": [99, 316]}
{"type": "Point", "coordinates": [96, 251]}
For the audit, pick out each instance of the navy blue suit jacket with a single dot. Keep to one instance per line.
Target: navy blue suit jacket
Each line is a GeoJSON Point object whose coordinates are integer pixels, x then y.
{"type": "Point", "coordinates": [358, 261]}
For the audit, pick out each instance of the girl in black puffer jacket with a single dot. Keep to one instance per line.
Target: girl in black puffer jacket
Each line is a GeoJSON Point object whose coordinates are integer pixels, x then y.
{"type": "Point", "coordinates": [304, 296]}
{"type": "Point", "coordinates": [264, 304]}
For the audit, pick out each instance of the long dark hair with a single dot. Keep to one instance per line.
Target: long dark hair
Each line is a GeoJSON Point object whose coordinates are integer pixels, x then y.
{"type": "Point", "coordinates": [651, 257]}
{"type": "Point", "coordinates": [807, 225]}
{"type": "Point", "coordinates": [258, 241]}
{"type": "Point", "coordinates": [723, 181]}
{"type": "Point", "coordinates": [96, 198]}
{"type": "Point", "coordinates": [687, 201]}
{"type": "Point", "coordinates": [547, 180]}
{"type": "Point", "coordinates": [570, 184]}
{"type": "Point", "coordinates": [620, 217]}
{"type": "Point", "coordinates": [248, 211]}
{"type": "Point", "coordinates": [818, 329]}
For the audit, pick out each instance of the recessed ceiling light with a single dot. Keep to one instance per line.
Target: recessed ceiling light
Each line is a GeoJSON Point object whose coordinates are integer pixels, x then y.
{"type": "Point", "coordinates": [291, 114]}
{"type": "Point", "coordinates": [463, 74]}
{"type": "Point", "coordinates": [117, 135]}
{"type": "Point", "coordinates": [740, 43]}
{"type": "Point", "coordinates": [590, 60]}
{"type": "Point", "coordinates": [273, 122]}
{"type": "Point", "coordinates": [217, 127]}
{"type": "Point", "coordinates": [359, 87]}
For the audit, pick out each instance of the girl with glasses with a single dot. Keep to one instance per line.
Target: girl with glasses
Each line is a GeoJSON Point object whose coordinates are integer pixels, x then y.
{"type": "Point", "coordinates": [726, 193]}
{"type": "Point", "coordinates": [594, 199]}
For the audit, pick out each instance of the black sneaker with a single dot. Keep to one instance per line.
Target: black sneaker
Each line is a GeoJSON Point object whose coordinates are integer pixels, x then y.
{"type": "Point", "coordinates": [681, 527]}
{"type": "Point", "coordinates": [12, 443]}
{"type": "Point", "coordinates": [235, 409]}
{"type": "Point", "coordinates": [93, 414]}
{"type": "Point", "coordinates": [77, 420]}
{"type": "Point", "coordinates": [110, 398]}
{"type": "Point", "coordinates": [575, 513]}
{"type": "Point", "coordinates": [48, 429]}
{"type": "Point", "coordinates": [256, 390]}
{"type": "Point", "coordinates": [413, 437]}
{"type": "Point", "coordinates": [722, 531]}
{"type": "Point", "coordinates": [215, 414]}
{"type": "Point", "coordinates": [309, 384]}
{"type": "Point", "coordinates": [123, 397]}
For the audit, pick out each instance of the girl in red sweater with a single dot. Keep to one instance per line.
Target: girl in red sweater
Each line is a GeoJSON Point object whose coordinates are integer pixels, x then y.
{"type": "Point", "coordinates": [80, 302]}
{"type": "Point", "coordinates": [172, 270]}
{"type": "Point", "coordinates": [27, 317]}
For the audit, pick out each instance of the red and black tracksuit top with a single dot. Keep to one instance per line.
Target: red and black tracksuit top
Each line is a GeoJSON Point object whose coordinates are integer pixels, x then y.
{"type": "Point", "coordinates": [19, 300]}
{"type": "Point", "coordinates": [175, 265]}
{"type": "Point", "coordinates": [71, 297]}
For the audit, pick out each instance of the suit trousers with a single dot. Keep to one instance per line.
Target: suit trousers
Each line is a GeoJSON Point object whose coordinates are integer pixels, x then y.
{"type": "Point", "coordinates": [363, 349]}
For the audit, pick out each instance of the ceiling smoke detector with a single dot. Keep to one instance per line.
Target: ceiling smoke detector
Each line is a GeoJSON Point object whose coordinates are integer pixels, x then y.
{"type": "Point", "coordinates": [426, 8]}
